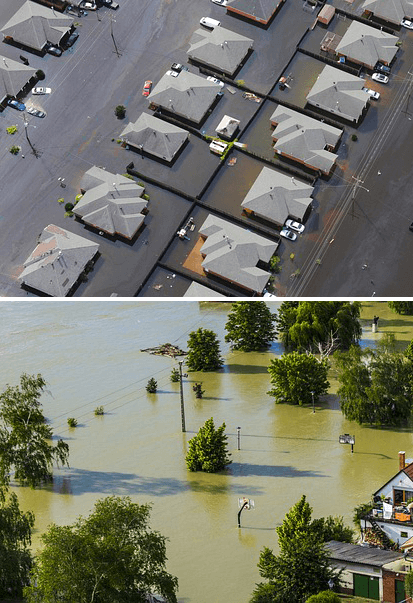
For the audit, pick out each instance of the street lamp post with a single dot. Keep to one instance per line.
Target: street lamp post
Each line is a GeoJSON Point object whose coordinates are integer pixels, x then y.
{"type": "Point", "coordinates": [238, 438]}
{"type": "Point", "coordinates": [182, 397]}
{"type": "Point", "coordinates": [312, 395]}
{"type": "Point", "coordinates": [34, 151]}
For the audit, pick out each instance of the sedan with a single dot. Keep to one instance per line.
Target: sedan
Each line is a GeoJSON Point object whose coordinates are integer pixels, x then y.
{"type": "Point", "coordinates": [36, 112]}
{"type": "Point", "coordinates": [380, 77]}
{"type": "Point", "coordinates": [220, 2]}
{"type": "Point", "coordinates": [147, 88]}
{"type": "Point", "coordinates": [382, 68]}
{"type": "Point", "coordinates": [215, 80]}
{"type": "Point", "coordinates": [41, 90]}
{"type": "Point", "coordinates": [172, 73]}
{"type": "Point", "coordinates": [407, 23]}
{"type": "Point", "coordinates": [372, 93]}
{"type": "Point", "coordinates": [71, 39]}
{"type": "Point", "coordinates": [16, 105]}
{"type": "Point", "coordinates": [88, 5]}
{"type": "Point", "coordinates": [297, 226]}
{"type": "Point", "coordinates": [288, 234]}
{"type": "Point", "coordinates": [54, 50]}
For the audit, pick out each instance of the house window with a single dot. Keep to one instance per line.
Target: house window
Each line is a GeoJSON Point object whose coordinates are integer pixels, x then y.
{"type": "Point", "coordinates": [403, 534]}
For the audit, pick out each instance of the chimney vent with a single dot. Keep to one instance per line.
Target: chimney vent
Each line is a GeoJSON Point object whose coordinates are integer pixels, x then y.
{"type": "Point", "coordinates": [402, 460]}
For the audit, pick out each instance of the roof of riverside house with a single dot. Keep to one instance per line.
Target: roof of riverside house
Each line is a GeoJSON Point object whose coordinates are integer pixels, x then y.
{"type": "Point", "coordinates": [304, 138]}
{"type": "Point", "coordinates": [197, 290]}
{"type": "Point", "coordinates": [390, 10]}
{"type": "Point", "coordinates": [111, 203]}
{"type": "Point", "coordinates": [57, 261]}
{"type": "Point", "coordinates": [33, 25]}
{"type": "Point", "coordinates": [367, 45]}
{"type": "Point", "coordinates": [233, 253]}
{"type": "Point", "coordinates": [355, 553]}
{"type": "Point", "coordinates": [188, 95]}
{"type": "Point", "coordinates": [155, 136]}
{"type": "Point", "coordinates": [340, 93]}
{"type": "Point", "coordinates": [13, 77]}
{"type": "Point", "coordinates": [220, 48]}
{"type": "Point", "coordinates": [276, 197]}
{"type": "Point", "coordinates": [257, 9]}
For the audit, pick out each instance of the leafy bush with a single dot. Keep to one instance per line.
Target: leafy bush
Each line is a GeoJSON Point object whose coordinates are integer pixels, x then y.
{"type": "Point", "coordinates": [14, 150]}
{"type": "Point", "coordinates": [275, 264]}
{"type": "Point", "coordinates": [72, 422]}
{"type": "Point", "coordinates": [69, 206]}
{"type": "Point", "coordinates": [99, 411]}
{"type": "Point", "coordinates": [120, 111]}
{"type": "Point", "coordinates": [208, 449]}
{"type": "Point", "coordinates": [128, 176]}
{"type": "Point", "coordinates": [11, 130]}
{"type": "Point", "coordinates": [175, 376]}
{"type": "Point", "coordinates": [151, 386]}
{"type": "Point", "coordinates": [40, 74]}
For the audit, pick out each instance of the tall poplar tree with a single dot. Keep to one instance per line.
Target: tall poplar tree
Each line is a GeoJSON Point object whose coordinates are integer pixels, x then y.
{"type": "Point", "coordinates": [250, 326]}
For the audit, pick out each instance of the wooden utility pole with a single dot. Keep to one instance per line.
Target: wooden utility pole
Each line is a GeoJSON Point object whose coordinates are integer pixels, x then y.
{"type": "Point", "coordinates": [182, 397]}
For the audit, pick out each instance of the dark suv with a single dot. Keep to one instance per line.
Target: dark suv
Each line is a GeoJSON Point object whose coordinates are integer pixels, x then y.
{"type": "Point", "coordinates": [70, 40]}
{"type": "Point", "coordinates": [382, 68]}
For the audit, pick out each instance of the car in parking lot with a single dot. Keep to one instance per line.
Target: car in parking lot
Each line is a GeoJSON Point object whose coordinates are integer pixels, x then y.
{"type": "Point", "coordinates": [147, 87]}
{"type": "Point", "coordinates": [54, 50]}
{"type": "Point", "coordinates": [41, 90]}
{"type": "Point", "coordinates": [293, 225]}
{"type": "Point", "coordinates": [36, 112]}
{"type": "Point", "coordinates": [372, 93]}
{"type": "Point", "coordinates": [208, 22]}
{"type": "Point", "coordinates": [178, 67]}
{"type": "Point", "coordinates": [88, 5]}
{"type": "Point", "coordinates": [215, 80]}
{"type": "Point", "coordinates": [172, 73]}
{"type": "Point", "coordinates": [71, 39]}
{"type": "Point", "coordinates": [381, 68]}
{"type": "Point", "coordinates": [380, 77]}
{"type": "Point", "coordinates": [406, 23]}
{"type": "Point", "coordinates": [288, 234]}
{"type": "Point", "coordinates": [16, 104]}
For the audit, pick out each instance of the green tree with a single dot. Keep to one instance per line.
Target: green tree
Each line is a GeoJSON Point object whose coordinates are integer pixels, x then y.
{"type": "Point", "coordinates": [408, 584]}
{"type": "Point", "coordinates": [25, 436]}
{"type": "Point", "coordinates": [297, 377]}
{"type": "Point", "coordinates": [208, 449]}
{"type": "Point", "coordinates": [302, 567]}
{"type": "Point", "coordinates": [204, 352]}
{"type": "Point", "coordinates": [401, 307]}
{"type": "Point", "coordinates": [325, 325]}
{"type": "Point", "coordinates": [250, 326]}
{"type": "Point", "coordinates": [112, 555]}
{"type": "Point", "coordinates": [333, 528]}
{"type": "Point", "coordinates": [152, 386]}
{"type": "Point", "coordinates": [326, 596]}
{"type": "Point", "coordinates": [15, 539]}
{"type": "Point", "coordinates": [375, 386]}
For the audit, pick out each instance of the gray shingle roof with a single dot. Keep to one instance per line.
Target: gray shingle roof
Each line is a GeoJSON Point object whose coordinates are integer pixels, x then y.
{"type": "Point", "coordinates": [111, 203]}
{"type": "Point", "coordinates": [304, 138]}
{"type": "Point", "coordinates": [276, 197]}
{"type": "Point", "coordinates": [355, 553]}
{"type": "Point", "coordinates": [233, 253]}
{"type": "Point", "coordinates": [340, 93]}
{"type": "Point", "coordinates": [155, 136]}
{"type": "Point", "coordinates": [220, 48]}
{"type": "Point", "coordinates": [33, 25]}
{"type": "Point", "coordinates": [367, 45]}
{"type": "Point", "coordinates": [390, 10]}
{"type": "Point", "coordinates": [197, 290]}
{"type": "Point", "coordinates": [13, 77]}
{"type": "Point", "coordinates": [187, 95]}
{"type": "Point", "coordinates": [259, 9]}
{"type": "Point", "coordinates": [57, 261]}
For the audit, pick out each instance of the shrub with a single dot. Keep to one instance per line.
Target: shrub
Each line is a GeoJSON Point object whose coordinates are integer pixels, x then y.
{"type": "Point", "coordinates": [146, 197]}
{"type": "Point", "coordinates": [11, 129]}
{"type": "Point", "coordinates": [354, 137]}
{"type": "Point", "coordinates": [208, 449]}
{"type": "Point", "coordinates": [292, 256]}
{"type": "Point", "coordinates": [40, 74]}
{"type": "Point", "coordinates": [72, 422]}
{"type": "Point", "coordinates": [14, 150]}
{"type": "Point", "coordinates": [175, 377]}
{"type": "Point", "coordinates": [128, 176]}
{"type": "Point", "coordinates": [275, 264]}
{"type": "Point", "coordinates": [151, 386]}
{"type": "Point", "coordinates": [99, 411]}
{"type": "Point", "coordinates": [240, 82]}
{"type": "Point", "coordinates": [69, 206]}
{"type": "Point", "coordinates": [120, 111]}
{"type": "Point", "coordinates": [61, 200]}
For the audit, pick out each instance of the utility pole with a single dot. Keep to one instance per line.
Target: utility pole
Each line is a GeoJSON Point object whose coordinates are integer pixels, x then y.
{"type": "Point", "coordinates": [182, 396]}
{"type": "Point", "coordinates": [357, 184]}
{"type": "Point", "coordinates": [113, 38]}
{"type": "Point", "coordinates": [26, 123]}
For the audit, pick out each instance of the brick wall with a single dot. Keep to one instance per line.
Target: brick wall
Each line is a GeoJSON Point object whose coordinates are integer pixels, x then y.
{"type": "Point", "coordinates": [389, 587]}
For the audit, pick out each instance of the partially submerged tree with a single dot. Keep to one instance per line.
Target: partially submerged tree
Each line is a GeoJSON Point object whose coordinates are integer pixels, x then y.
{"type": "Point", "coordinates": [112, 555]}
{"type": "Point", "coordinates": [250, 326]}
{"type": "Point", "coordinates": [152, 386]}
{"type": "Point", "coordinates": [24, 435]}
{"type": "Point", "coordinates": [204, 352]}
{"type": "Point", "coordinates": [208, 449]}
{"type": "Point", "coordinates": [401, 307]}
{"type": "Point", "coordinates": [296, 378]}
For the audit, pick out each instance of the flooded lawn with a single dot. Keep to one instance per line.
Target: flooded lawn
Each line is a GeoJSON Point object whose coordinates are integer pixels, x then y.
{"type": "Point", "coordinates": [301, 75]}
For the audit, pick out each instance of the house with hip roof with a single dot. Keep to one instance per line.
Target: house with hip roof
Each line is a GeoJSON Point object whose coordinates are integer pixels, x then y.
{"type": "Point", "coordinates": [304, 139]}
{"type": "Point", "coordinates": [111, 203]}
{"type": "Point", "coordinates": [258, 11]}
{"type": "Point", "coordinates": [34, 25]}
{"type": "Point", "coordinates": [339, 93]}
{"type": "Point", "coordinates": [235, 254]}
{"type": "Point", "coordinates": [57, 262]}
{"type": "Point", "coordinates": [392, 11]}
{"type": "Point", "coordinates": [187, 96]}
{"type": "Point", "coordinates": [155, 137]}
{"type": "Point", "coordinates": [221, 49]}
{"type": "Point", "coordinates": [367, 45]}
{"type": "Point", "coordinates": [276, 197]}
{"type": "Point", "coordinates": [14, 78]}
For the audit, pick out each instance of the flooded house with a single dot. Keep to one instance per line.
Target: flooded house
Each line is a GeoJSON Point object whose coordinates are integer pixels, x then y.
{"type": "Point", "coordinates": [258, 11]}
{"type": "Point", "coordinates": [14, 78]}
{"type": "Point", "coordinates": [197, 290]}
{"type": "Point", "coordinates": [275, 197]}
{"type": "Point", "coordinates": [57, 262]}
{"type": "Point", "coordinates": [305, 139]}
{"type": "Point", "coordinates": [393, 11]}
{"type": "Point", "coordinates": [367, 45]}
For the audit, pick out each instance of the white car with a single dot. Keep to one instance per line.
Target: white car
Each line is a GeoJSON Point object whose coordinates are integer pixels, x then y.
{"type": "Point", "coordinates": [372, 93]}
{"type": "Point", "coordinates": [404, 22]}
{"type": "Point", "coordinates": [379, 77]}
{"type": "Point", "coordinates": [215, 80]}
{"type": "Point", "coordinates": [172, 73]}
{"type": "Point", "coordinates": [297, 226]}
{"type": "Point", "coordinates": [88, 5]}
{"type": "Point", "coordinates": [210, 23]}
{"type": "Point", "coordinates": [288, 234]}
{"type": "Point", "coordinates": [41, 90]}
{"type": "Point", "coordinates": [220, 2]}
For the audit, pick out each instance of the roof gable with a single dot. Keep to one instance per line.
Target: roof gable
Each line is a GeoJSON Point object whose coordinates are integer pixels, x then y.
{"type": "Point", "coordinates": [367, 45]}
{"type": "Point", "coordinates": [220, 48]}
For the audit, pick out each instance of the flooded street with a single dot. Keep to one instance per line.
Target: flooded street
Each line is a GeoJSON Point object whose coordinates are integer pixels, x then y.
{"type": "Point", "coordinates": [89, 353]}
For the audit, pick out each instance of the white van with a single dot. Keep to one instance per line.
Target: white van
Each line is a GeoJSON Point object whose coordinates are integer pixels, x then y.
{"type": "Point", "coordinates": [210, 23]}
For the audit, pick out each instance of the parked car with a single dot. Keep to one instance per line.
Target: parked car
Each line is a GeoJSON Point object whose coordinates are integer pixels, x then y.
{"type": "Point", "coordinates": [147, 87]}
{"type": "Point", "coordinates": [288, 234]}
{"type": "Point", "coordinates": [208, 22]}
{"type": "Point", "coordinates": [372, 93]}
{"type": "Point", "coordinates": [380, 77]}
{"type": "Point", "coordinates": [36, 112]}
{"type": "Point", "coordinates": [88, 5]}
{"type": "Point", "coordinates": [178, 67]}
{"type": "Point", "coordinates": [172, 73]}
{"type": "Point", "coordinates": [297, 226]}
{"type": "Point", "coordinates": [75, 10]}
{"type": "Point", "coordinates": [220, 2]}
{"type": "Point", "coordinates": [41, 90]}
{"type": "Point", "coordinates": [407, 23]}
{"type": "Point", "coordinates": [71, 39]}
{"type": "Point", "coordinates": [111, 4]}
{"type": "Point", "coordinates": [381, 68]}
{"type": "Point", "coordinates": [215, 80]}
{"type": "Point", "coordinates": [16, 104]}
{"type": "Point", "coordinates": [54, 50]}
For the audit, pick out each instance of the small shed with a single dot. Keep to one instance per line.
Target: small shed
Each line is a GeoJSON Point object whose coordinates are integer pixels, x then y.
{"type": "Point", "coordinates": [227, 127]}
{"type": "Point", "coordinates": [326, 14]}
